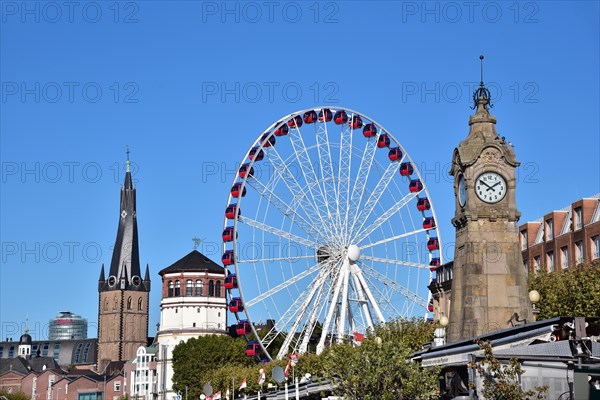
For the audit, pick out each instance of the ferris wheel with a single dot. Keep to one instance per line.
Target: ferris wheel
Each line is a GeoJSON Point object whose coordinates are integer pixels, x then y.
{"type": "Point", "coordinates": [328, 231]}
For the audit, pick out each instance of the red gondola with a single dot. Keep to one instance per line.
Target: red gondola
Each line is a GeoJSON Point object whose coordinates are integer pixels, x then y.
{"type": "Point", "coordinates": [423, 204]}
{"type": "Point", "coordinates": [282, 130]}
{"type": "Point", "coordinates": [383, 141]}
{"type": "Point", "coordinates": [252, 348]}
{"type": "Point", "coordinates": [356, 122]}
{"type": "Point", "coordinates": [434, 263]}
{"type": "Point", "coordinates": [415, 185]}
{"type": "Point", "coordinates": [230, 211]}
{"type": "Point", "coordinates": [246, 169]}
{"type": "Point", "coordinates": [267, 141]}
{"type": "Point", "coordinates": [295, 122]}
{"type": "Point", "coordinates": [430, 307]}
{"type": "Point", "coordinates": [406, 169]}
{"type": "Point", "coordinates": [256, 154]}
{"type": "Point", "coordinates": [395, 154]}
{"type": "Point", "coordinates": [230, 282]}
{"type": "Point", "coordinates": [428, 223]}
{"type": "Point", "coordinates": [236, 305]}
{"type": "Point", "coordinates": [236, 190]}
{"type": "Point", "coordinates": [228, 257]}
{"type": "Point", "coordinates": [228, 234]}
{"type": "Point", "coordinates": [340, 117]}
{"type": "Point", "coordinates": [369, 131]}
{"type": "Point", "coordinates": [325, 115]}
{"type": "Point", "coordinates": [243, 328]}
{"type": "Point", "coordinates": [310, 117]}
{"type": "Point", "coordinates": [433, 244]}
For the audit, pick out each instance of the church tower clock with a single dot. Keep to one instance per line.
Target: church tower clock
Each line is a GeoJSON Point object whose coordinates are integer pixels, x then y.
{"type": "Point", "coordinates": [489, 288]}
{"type": "Point", "coordinates": [123, 296]}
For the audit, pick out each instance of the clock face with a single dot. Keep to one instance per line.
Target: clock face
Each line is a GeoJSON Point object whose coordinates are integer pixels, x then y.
{"type": "Point", "coordinates": [490, 187]}
{"type": "Point", "coordinates": [462, 191]}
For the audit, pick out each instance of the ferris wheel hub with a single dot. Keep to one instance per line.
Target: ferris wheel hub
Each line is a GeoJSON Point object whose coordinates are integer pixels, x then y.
{"type": "Point", "coordinates": [353, 253]}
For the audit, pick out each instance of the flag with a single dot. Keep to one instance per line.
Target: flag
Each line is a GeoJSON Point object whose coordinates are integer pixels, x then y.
{"type": "Point", "coordinates": [243, 385]}
{"type": "Point", "coordinates": [217, 396]}
{"type": "Point", "coordinates": [261, 376]}
{"type": "Point", "coordinates": [287, 369]}
{"type": "Point", "coordinates": [359, 337]}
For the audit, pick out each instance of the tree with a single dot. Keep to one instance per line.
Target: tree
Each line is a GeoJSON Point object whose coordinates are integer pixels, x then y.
{"type": "Point", "coordinates": [14, 396]}
{"type": "Point", "coordinates": [502, 381]}
{"type": "Point", "coordinates": [197, 358]}
{"type": "Point", "coordinates": [572, 292]}
{"type": "Point", "coordinates": [381, 368]}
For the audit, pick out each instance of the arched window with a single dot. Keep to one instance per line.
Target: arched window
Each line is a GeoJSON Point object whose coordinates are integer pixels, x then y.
{"type": "Point", "coordinates": [189, 288]}
{"type": "Point", "coordinates": [115, 303]}
{"type": "Point", "coordinates": [218, 289]}
{"type": "Point", "coordinates": [198, 288]}
{"type": "Point", "coordinates": [170, 294]}
{"type": "Point", "coordinates": [211, 288]}
{"type": "Point", "coordinates": [129, 303]}
{"type": "Point", "coordinates": [140, 308]}
{"type": "Point", "coordinates": [105, 304]}
{"type": "Point", "coordinates": [177, 289]}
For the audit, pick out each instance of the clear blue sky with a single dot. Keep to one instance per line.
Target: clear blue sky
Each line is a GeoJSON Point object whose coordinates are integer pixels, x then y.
{"type": "Point", "coordinates": [189, 85]}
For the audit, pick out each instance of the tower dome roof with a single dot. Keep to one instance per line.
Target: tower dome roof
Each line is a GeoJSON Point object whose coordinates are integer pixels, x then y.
{"type": "Point", "coordinates": [194, 262]}
{"type": "Point", "coordinates": [25, 339]}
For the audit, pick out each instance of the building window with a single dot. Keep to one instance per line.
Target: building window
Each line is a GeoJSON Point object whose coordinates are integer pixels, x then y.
{"type": "Point", "coordinates": [198, 288]}
{"type": "Point", "coordinates": [218, 289]}
{"type": "Point", "coordinates": [189, 288]}
{"type": "Point", "coordinates": [140, 307]}
{"type": "Point", "coordinates": [578, 218]}
{"type": "Point", "coordinates": [564, 257]}
{"type": "Point", "coordinates": [56, 351]}
{"type": "Point", "coordinates": [45, 350]}
{"type": "Point", "coordinates": [170, 294]}
{"type": "Point", "coordinates": [523, 240]}
{"type": "Point", "coordinates": [129, 303]}
{"type": "Point", "coordinates": [549, 229]}
{"type": "Point", "coordinates": [550, 261]}
{"type": "Point", "coordinates": [11, 352]}
{"type": "Point", "coordinates": [537, 264]}
{"type": "Point", "coordinates": [211, 288]}
{"type": "Point", "coordinates": [117, 386]}
{"type": "Point", "coordinates": [579, 252]}
{"type": "Point", "coordinates": [2, 352]}
{"type": "Point", "coordinates": [177, 288]}
{"type": "Point", "coordinates": [86, 351]}
{"type": "Point", "coordinates": [595, 247]}
{"type": "Point", "coordinates": [105, 304]}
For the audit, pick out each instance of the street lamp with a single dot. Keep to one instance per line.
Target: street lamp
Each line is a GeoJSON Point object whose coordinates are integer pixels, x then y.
{"type": "Point", "coordinates": [534, 297]}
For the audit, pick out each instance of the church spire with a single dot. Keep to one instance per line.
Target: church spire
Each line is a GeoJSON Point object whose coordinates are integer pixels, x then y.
{"type": "Point", "coordinates": [125, 263]}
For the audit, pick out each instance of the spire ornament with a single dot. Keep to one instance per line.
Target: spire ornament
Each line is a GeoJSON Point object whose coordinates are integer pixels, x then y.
{"type": "Point", "coordinates": [482, 95]}
{"type": "Point", "coordinates": [128, 163]}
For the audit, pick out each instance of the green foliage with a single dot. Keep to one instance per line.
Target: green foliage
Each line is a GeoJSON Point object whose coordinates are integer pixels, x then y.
{"type": "Point", "coordinates": [14, 396]}
{"type": "Point", "coordinates": [380, 368]}
{"type": "Point", "coordinates": [502, 381]}
{"type": "Point", "coordinates": [572, 292]}
{"type": "Point", "coordinates": [198, 358]}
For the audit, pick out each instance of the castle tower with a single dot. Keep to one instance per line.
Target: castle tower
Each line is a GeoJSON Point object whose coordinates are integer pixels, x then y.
{"type": "Point", "coordinates": [124, 296]}
{"type": "Point", "coordinates": [193, 304]}
{"type": "Point", "coordinates": [489, 288]}
{"type": "Point", "coordinates": [25, 341]}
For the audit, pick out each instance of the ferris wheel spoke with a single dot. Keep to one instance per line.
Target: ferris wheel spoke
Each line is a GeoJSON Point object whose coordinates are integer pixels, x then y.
{"type": "Point", "coordinates": [284, 208]}
{"type": "Point", "coordinates": [359, 186]}
{"type": "Point", "coordinates": [387, 214]}
{"type": "Point", "coordinates": [373, 199]}
{"type": "Point", "coordinates": [282, 286]}
{"type": "Point", "coordinates": [344, 307]}
{"type": "Point", "coordinates": [310, 177]}
{"type": "Point", "coordinates": [312, 318]}
{"type": "Point", "coordinates": [277, 232]}
{"type": "Point", "coordinates": [345, 163]}
{"type": "Point", "coordinates": [274, 259]}
{"type": "Point", "coordinates": [393, 238]}
{"type": "Point", "coordinates": [299, 312]}
{"type": "Point", "coordinates": [374, 303]}
{"type": "Point", "coordinates": [333, 303]}
{"type": "Point", "coordinates": [397, 287]}
{"type": "Point", "coordinates": [327, 175]}
{"type": "Point", "coordinates": [385, 303]}
{"type": "Point", "coordinates": [362, 300]}
{"type": "Point", "coordinates": [293, 186]}
{"type": "Point", "coordinates": [396, 262]}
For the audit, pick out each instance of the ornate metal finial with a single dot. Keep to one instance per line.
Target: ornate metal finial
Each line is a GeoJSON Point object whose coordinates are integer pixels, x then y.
{"type": "Point", "coordinates": [481, 94]}
{"type": "Point", "coordinates": [27, 323]}
{"type": "Point", "coordinates": [128, 163]}
{"type": "Point", "coordinates": [196, 241]}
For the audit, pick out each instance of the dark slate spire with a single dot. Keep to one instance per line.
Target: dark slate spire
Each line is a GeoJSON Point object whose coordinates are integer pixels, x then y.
{"type": "Point", "coordinates": [147, 278]}
{"type": "Point", "coordinates": [102, 279]}
{"type": "Point", "coordinates": [125, 263]}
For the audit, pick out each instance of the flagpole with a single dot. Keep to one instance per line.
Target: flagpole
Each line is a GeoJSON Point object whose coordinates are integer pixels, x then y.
{"type": "Point", "coordinates": [233, 388]}
{"type": "Point", "coordinates": [286, 391]}
{"type": "Point", "coordinates": [297, 389]}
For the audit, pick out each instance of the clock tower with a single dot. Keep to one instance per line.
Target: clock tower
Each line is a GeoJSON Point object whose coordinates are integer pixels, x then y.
{"type": "Point", "coordinates": [489, 287]}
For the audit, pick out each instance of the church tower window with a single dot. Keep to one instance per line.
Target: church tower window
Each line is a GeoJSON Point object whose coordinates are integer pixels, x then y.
{"type": "Point", "coordinates": [189, 288]}
{"type": "Point", "coordinates": [211, 288]}
{"type": "Point", "coordinates": [198, 288]}
{"type": "Point", "coordinates": [177, 288]}
{"type": "Point", "coordinates": [170, 294]}
{"type": "Point", "coordinates": [129, 303]}
{"type": "Point", "coordinates": [140, 307]}
{"type": "Point", "coordinates": [218, 289]}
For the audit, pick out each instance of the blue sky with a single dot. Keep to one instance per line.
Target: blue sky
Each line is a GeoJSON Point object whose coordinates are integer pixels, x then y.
{"type": "Point", "coordinates": [190, 85]}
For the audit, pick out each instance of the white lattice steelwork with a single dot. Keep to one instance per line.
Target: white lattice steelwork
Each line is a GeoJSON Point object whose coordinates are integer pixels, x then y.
{"type": "Point", "coordinates": [329, 231]}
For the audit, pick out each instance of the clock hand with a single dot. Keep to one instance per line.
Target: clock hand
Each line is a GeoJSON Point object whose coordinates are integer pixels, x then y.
{"type": "Point", "coordinates": [493, 186]}
{"type": "Point", "coordinates": [482, 182]}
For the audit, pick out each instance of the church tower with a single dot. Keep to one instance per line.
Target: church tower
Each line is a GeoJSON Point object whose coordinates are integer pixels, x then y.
{"type": "Point", "coordinates": [489, 287]}
{"type": "Point", "coordinates": [124, 296]}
